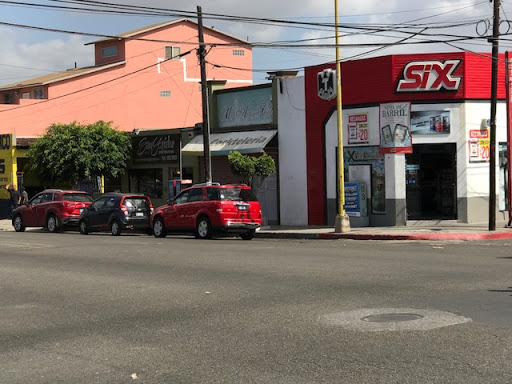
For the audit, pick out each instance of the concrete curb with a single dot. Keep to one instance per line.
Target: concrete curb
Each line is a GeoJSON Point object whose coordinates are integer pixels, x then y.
{"type": "Point", "coordinates": [379, 236]}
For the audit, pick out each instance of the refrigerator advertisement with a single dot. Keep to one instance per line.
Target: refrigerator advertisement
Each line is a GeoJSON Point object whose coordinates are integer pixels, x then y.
{"type": "Point", "coordinates": [395, 128]}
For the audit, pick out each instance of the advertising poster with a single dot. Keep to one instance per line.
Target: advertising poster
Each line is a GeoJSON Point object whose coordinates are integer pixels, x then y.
{"type": "Point", "coordinates": [430, 122]}
{"type": "Point", "coordinates": [395, 128]}
{"type": "Point", "coordinates": [479, 145]}
{"type": "Point", "coordinates": [358, 128]}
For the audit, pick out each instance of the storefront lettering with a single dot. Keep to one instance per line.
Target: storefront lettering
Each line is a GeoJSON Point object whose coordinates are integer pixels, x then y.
{"type": "Point", "coordinates": [5, 141]}
{"type": "Point", "coordinates": [432, 75]}
{"type": "Point", "coordinates": [247, 140]}
{"type": "Point", "coordinates": [156, 145]}
{"type": "Point", "coordinates": [355, 156]}
{"type": "Point", "coordinates": [245, 112]}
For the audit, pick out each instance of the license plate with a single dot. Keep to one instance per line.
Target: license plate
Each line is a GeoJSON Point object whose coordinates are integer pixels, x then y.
{"type": "Point", "coordinates": [81, 210]}
{"type": "Point", "coordinates": [242, 207]}
{"type": "Point", "coordinates": [139, 213]}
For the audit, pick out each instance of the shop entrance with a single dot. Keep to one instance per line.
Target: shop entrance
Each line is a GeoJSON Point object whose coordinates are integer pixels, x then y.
{"type": "Point", "coordinates": [431, 182]}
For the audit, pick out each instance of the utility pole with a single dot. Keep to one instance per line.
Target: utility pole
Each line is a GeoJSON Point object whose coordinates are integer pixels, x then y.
{"type": "Point", "coordinates": [494, 100]}
{"type": "Point", "coordinates": [204, 96]}
{"type": "Point", "coordinates": [342, 223]}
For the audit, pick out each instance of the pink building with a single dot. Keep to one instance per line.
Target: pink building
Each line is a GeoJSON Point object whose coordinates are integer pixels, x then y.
{"type": "Point", "coordinates": [146, 80]}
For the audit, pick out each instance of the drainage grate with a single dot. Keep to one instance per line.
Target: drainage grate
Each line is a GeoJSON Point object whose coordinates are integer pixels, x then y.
{"type": "Point", "coordinates": [391, 317]}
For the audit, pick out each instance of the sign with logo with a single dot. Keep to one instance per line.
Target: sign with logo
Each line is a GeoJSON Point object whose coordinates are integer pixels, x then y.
{"type": "Point", "coordinates": [479, 145]}
{"type": "Point", "coordinates": [395, 125]}
{"type": "Point", "coordinates": [243, 108]}
{"type": "Point", "coordinates": [326, 82]}
{"type": "Point", "coordinates": [429, 76]}
{"type": "Point", "coordinates": [358, 128]}
{"type": "Point", "coordinates": [156, 149]}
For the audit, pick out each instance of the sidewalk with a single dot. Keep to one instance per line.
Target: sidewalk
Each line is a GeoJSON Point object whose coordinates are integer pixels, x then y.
{"type": "Point", "coordinates": [415, 230]}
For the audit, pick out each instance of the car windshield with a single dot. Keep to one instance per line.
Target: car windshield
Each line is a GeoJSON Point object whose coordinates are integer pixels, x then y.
{"type": "Point", "coordinates": [77, 197]}
{"type": "Point", "coordinates": [237, 194]}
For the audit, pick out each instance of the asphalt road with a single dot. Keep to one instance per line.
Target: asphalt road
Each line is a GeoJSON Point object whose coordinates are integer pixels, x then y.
{"type": "Point", "coordinates": [135, 309]}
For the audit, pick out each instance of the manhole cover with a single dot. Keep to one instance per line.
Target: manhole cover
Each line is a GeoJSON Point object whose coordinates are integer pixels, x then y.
{"type": "Point", "coordinates": [392, 317]}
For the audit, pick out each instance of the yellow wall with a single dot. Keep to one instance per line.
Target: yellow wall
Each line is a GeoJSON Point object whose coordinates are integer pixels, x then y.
{"type": "Point", "coordinates": [8, 163]}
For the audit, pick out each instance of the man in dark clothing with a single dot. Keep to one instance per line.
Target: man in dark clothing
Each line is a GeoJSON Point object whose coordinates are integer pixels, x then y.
{"type": "Point", "coordinates": [14, 199]}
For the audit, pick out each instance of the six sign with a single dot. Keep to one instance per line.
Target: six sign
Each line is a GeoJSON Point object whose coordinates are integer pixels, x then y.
{"type": "Point", "coordinates": [426, 76]}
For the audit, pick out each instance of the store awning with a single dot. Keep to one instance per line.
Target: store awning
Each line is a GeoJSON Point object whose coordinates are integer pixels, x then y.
{"type": "Point", "coordinates": [224, 143]}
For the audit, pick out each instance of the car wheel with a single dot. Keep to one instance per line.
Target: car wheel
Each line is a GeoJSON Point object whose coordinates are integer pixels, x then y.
{"type": "Point", "coordinates": [18, 224]}
{"type": "Point", "coordinates": [52, 224]}
{"type": "Point", "coordinates": [82, 226]}
{"type": "Point", "coordinates": [204, 228]}
{"type": "Point", "coordinates": [115, 228]}
{"type": "Point", "coordinates": [249, 235]}
{"type": "Point", "coordinates": [159, 227]}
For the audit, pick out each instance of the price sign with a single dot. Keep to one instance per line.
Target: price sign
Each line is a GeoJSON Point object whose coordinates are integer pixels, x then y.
{"type": "Point", "coordinates": [358, 128]}
{"type": "Point", "coordinates": [479, 146]}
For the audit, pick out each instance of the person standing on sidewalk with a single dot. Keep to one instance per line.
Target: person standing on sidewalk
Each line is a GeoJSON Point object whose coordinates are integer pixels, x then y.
{"type": "Point", "coordinates": [23, 196]}
{"type": "Point", "coordinates": [14, 198]}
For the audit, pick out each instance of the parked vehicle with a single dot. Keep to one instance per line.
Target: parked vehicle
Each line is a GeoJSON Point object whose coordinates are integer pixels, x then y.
{"type": "Point", "coordinates": [210, 209]}
{"type": "Point", "coordinates": [54, 209]}
{"type": "Point", "coordinates": [117, 212]}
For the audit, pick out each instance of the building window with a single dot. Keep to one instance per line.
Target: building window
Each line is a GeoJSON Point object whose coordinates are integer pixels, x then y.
{"type": "Point", "coordinates": [8, 98]}
{"type": "Point", "coordinates": [109, 51]}
{"type": "Point", "coordinates": [165, 93]}
{"type": "Point", "coordinates": [172, 53]}
{"type": "Point", "coordinates": [25, 95]}
{"type": "Point", "coordinates": [39, 93]}
{"type": "Point", "coordinates": [238, 52]}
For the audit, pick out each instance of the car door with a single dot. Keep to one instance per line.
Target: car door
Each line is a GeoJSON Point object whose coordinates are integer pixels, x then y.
{"type": "Point", "coordinates": [191, 207]}
{"type": "Point", "coordinates": [93, 212]}
{"type": "Point", "coordinates": [41, 209]}
{"type": "Point", "coordinates": [30, 211]}
{"type": "Point", "coordinates": [173, 213]}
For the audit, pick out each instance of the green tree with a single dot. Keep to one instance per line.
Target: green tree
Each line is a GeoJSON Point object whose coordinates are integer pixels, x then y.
{"type": "Point", "coordinates": [247, 167]}
{"type": "Point", "coordinates": [68, 153]}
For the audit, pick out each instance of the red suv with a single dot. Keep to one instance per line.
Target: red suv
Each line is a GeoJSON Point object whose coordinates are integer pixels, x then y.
{"type": "Point", "coordinates": [208, 209]}
{"type": "Point", "coordinates": [52, 208]}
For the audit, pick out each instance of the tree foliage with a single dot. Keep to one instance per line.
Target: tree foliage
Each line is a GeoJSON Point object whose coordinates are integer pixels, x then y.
{"type": "Point", "coordinates": [69, 153]}
{"type": "Point", "coordinates": [246, 167]}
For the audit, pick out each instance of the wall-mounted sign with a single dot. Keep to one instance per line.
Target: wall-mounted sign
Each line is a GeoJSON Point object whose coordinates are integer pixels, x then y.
{"type": "Point", "coordinates": [358, 128]}
{"type": "Point", "coordinates": [245, 108]}
{"type": "Point", "coordinates": [156, 149]}
{"type": "Point", "coordinates": [479, 145]}
{"type": "Point", "coordinates": [428, 76]}
{"type": "Point", "coordinates": [326, 82]}
{"type": "Point", "coordinates": [395, 123]}
{"type": "Point", "coordinates": [430, 122]}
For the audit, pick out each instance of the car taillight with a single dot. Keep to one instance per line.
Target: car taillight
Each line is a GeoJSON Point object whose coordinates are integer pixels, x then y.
{"type": "Point", "coordinates": [218, 207]}
{"type": "Point", "coordinates": [151, 208]}
{"type": "Point", "coordinates": [125, 210]}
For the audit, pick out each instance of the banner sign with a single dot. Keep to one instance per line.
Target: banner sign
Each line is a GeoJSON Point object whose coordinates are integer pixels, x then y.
{"type": "Point", "coordinates": [479, 145]}
{"type": "Point", "coordinates": [430, 122]}
{"type": "Point", "coordinates": [395, 125]}
{"type": "Point", "coordinates": [358, 128]}
{"type": "Point", "coordinates": [356, 199]}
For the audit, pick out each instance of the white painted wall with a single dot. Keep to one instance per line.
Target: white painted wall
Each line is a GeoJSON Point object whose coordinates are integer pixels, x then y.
{"type": "Point", "coordinates": [292, 151]}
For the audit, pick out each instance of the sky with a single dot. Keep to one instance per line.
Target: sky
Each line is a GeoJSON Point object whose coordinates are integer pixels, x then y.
{"type": "Point", "coordinates": [367, 28]}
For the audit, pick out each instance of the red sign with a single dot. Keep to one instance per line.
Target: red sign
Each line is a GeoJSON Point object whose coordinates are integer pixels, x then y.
{"type": "Point", "coordinates": [427, 76]}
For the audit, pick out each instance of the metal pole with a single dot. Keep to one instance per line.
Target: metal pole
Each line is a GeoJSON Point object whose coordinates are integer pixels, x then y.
{"type": "Point", "coordinates": [204, 97]}
{"type": "Point", "coordinates": [494, 100]}
{"type": "Point", "coordinates": [342, 220]}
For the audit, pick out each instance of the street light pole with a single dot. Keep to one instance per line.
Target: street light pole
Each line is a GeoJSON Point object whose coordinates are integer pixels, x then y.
{"type": "Point", "coordinates": [342, 223]}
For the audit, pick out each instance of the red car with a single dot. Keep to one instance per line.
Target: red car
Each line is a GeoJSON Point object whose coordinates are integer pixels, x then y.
{"type": "Point", "coordinates": [52, 208]}
{"type": "Point", "coordinates": [208, 209]}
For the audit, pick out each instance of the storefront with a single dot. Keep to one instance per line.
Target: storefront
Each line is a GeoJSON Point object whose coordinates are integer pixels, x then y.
{"type": "Point", "coordinates": [415, 137]}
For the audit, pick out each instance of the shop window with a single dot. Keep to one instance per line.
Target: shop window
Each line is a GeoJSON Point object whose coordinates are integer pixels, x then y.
{"type": "Point", "coordinates": [8, 98]}
{"type": "Point", "coordinates": [146, 181]}
{"type": "Point", "coordinates": [25, 95]}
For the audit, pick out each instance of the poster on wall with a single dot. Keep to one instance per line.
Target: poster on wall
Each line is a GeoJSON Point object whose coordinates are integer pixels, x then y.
{"type": "Point", "coordinates": [358, 128]}
{"type": "Point", "coordinates": [395, 128]}
{"type": "Point", "coordinates": [479, 145]}
{"type": "Point", "coordinates": [430, 122]}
